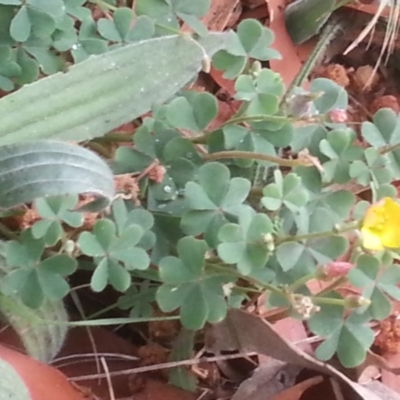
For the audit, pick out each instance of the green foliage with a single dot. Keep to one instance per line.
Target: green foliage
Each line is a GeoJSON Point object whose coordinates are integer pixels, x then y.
{"type": "Point", "coordinates": [246, 244]}
{"type": "Point", "coordinates": [33, 279]}
{"type": "Point", "coordinates": [118, 247]}
{"type": "Point", "coordinates": [187, 286]}
{"type": "Point", "coordinates": [207, 213]}
{"type": "Point", "coordinates": [252, 40]}
{"type": "Point", "coordinates": [212, 200]}
{"type": "Point", "coordinates": [54, 211]}
{"type": "Point", "coordinates": [378, 285]}
{"type": "Point", "coordinates": [346, 336]}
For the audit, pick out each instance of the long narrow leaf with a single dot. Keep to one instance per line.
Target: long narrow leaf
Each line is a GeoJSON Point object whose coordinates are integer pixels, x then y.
{"type": "Point", "coordinates": [105, 91]}
{"type": "Point", "coordinates": [49, 168]}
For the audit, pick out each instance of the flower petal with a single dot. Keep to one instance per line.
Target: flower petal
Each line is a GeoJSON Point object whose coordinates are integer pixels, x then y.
{"type": "Point", "coordinates": [371, 240]}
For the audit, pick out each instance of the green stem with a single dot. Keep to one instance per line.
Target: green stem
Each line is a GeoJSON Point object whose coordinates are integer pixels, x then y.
{"type": "Point", "coordinates": [256, 156]}
{"type": "Point", "coordinates": [258, 118]}
{"type": "Point", "coordinates": [300, 282]}
{"type": "Point", "coordinates": [169, 29]}
{"type": "Point", "coordinates": [329, 301]}
{"type": "Point", "coordinates": [230, 271]}
{"type": "Point", "coordinates": [331, 29]}
{"type": "Point", "coordinates": [389, 148]}
{"type": "Point", "coordinates": [318, 235]}
{"type": "Point", "coordinates": [116, 137]}
{"type": "Point", "coordinates": [247, 290]}
{"type": "Point", "coordinates": [100, 149]}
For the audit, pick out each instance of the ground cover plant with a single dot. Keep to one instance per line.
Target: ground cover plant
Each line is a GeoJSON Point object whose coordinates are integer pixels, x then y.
{"type": "Point", "coordinates": [117, 167]}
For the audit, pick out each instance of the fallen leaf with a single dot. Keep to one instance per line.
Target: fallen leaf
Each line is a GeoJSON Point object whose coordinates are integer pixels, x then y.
{"type": "Point", "coordinates": [219, 14]}
{"type": "Point", "coordinates": [267, 380]}
{"type": "Point", "coordinates": [42, 381]}
{"type": "Point", "coordinates": [248, 333]}
{"type": "Point", "coordinates": [296, 392]}
{"type": "Point", "coordinates": [292, 56]}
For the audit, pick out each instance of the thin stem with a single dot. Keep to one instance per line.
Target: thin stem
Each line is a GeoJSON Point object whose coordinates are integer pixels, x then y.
{"type": "Point", "coordinates": [258, 118]}
{"type": "Point", "coordinates": [230, 271]}
{"type": "Point", "coordinates": [98, 148]}
{"type": "Point", "coordinates": [329, 301]}
{"type": "Point", "coordinates": [300, 282]}
{"type": "Point", "coordinates": [256, 156]}
{"type": "Point", "coordinates": [169, 29]}
{"type": "Point", "coordinates": [116, 137]}
{"type": "Point", "coordinates": [329, 32]}
{"type": "Point", "coordinates": [389, 148]}
{"type": "Point", "coordinates": [318, 235]}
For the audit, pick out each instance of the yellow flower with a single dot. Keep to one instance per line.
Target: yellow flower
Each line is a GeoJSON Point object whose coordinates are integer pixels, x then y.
{"type": "Point", "coordinates": [381, 225]}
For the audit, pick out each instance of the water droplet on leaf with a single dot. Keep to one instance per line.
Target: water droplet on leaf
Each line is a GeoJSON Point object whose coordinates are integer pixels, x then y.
{"type": "Point", "coordinates": [167, 189]}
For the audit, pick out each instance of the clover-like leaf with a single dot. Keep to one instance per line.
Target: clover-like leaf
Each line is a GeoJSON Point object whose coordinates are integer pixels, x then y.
{"type": "Point", "coordinates": [245, 244]}
{"type": "Point", "coordinates": [54, 211]}
{"type": "Point", "coordinates": [382, 131]}
{"type": "Point", "coordinates": [114, 253]}
{"type": "Point", "coordinates": [125, 28]}
{"type": "Point", "coordinates": [193, 111]}
{"type": "Point", "coordinates": [36, 18]}
{"type": "Point", "coordinates": [287, 191]}
{"type": "Point", "coordinates": [349, 338]}
{"type": "Point", "coordinates": [187, 286]}
{"type": "Point", "coordinates": [339, 148]}
{"type": "Point", "coordinates": [33, 279]}
{"type": "Point", "coordinates": [8, 68]}
{"type": "Point", "coordinates": [374, 167]}
{"type": "Point", "coordinates": [212, 199]}
{"type": "Point", "coordinates": [334, 96]}
{"type": "Point", "coordinates": [310, 254]}
{"type": "Point", "coordinates": [246, 139]}
{"type": "Point", "coordinates": [378, 285]}
{"type": "Point", "coordinates": [252, 40]}
{"type": "Point", "coordinates": [262, 92]}
{"type": "Point", "coordinates": [138, 300]}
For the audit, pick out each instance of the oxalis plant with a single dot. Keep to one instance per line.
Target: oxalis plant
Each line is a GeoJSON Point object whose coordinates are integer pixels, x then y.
{"type": "Point", "coordinates": [213, 213]}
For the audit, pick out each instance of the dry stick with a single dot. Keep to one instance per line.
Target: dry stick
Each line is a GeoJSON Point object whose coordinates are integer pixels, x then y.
{"type": "Point", "coordinates": [108, 378]}
{"type": "Point", "coordinates": [167, 365]}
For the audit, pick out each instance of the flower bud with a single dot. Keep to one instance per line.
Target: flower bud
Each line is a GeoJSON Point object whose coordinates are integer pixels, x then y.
{"type": "Point", "coordinates": [356, 301]}
{"type": "Point", "coordinates": [268, 239]}
{"type": "Point", "coordinates": [337, 269]}
{"type": "Point", "coordinates": [337, 115]}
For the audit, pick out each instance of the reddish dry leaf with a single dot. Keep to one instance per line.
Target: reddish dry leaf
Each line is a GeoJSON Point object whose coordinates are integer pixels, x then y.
{"type": "Point", "coordinates": [248, 333]}
{"type": "Point", "coordinates": [297, 391]}
{"type": "Point", "coordinates": [292, 56]}
{"type": "Point", "coordinates": [43, 382]}
{"type": "Point", "coordinates": [293, 331]}
{"type": "Point", "coordinates": [219, 14]}
{"type": "Point", "coordinates": [259, 13]}
{"type": "Point", "coordinates": [389, 378]}
{"type": "Point", "coordinates": [226, 84]}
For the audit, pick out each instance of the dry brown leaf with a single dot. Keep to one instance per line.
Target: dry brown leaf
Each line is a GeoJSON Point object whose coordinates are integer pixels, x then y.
{"type": "Point", "coordinates": [248, 333]}
{"type": "Point", "coordinates": [296, 392]}
{"type": "Point", "coordinates": [219, 14]}
{"type": "Point", "coordinates": [267, 381]}
{"type": "Point", "coordinates": [292, 56]}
